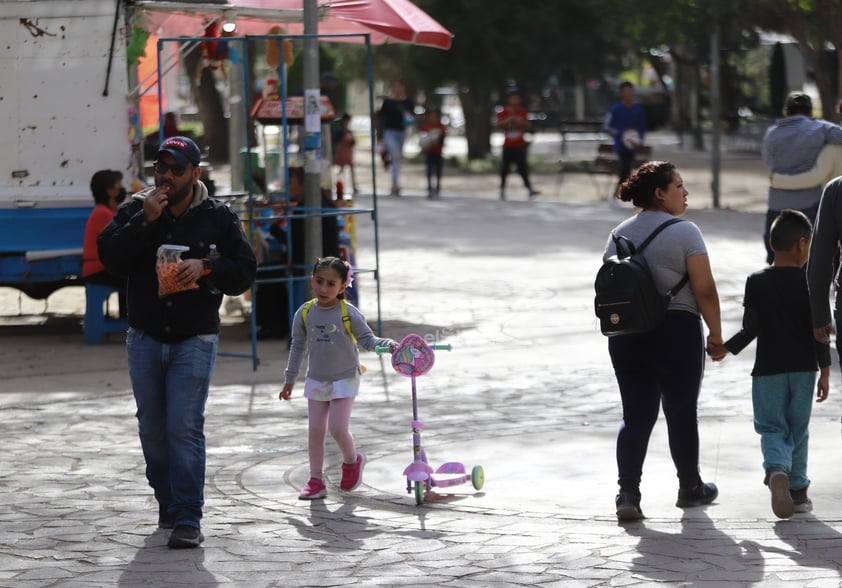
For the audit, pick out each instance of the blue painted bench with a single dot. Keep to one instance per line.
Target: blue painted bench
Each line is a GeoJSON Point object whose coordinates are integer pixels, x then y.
{"type": "Point", "coordinates": [97, 320]}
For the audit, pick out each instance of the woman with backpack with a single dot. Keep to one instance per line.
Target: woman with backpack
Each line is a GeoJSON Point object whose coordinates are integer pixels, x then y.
{"type": "Point", "coordinates": [664, 365]}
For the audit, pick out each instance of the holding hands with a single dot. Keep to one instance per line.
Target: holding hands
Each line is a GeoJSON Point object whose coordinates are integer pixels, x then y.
{"type": "Point", "coordinates": [822, 334]}
{"type": "Point", "coordinates": [717, 351]}
{"type": "Point", "coordinates": [716, 348]}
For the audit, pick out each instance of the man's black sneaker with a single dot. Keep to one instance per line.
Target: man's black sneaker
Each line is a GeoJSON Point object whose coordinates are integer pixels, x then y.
{"type": "Point", "coordinates": [185, 537]}
{"type": "Point", "coordinates": [698, 496]}
{"type": "Point", "coordinates": [628, 507]}
{"type": "Point", "coordinates": [165, 519]}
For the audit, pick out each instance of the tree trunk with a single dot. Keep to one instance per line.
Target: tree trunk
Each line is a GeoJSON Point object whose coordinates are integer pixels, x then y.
{"type": "Point", "coordinates": [476, 106]}
{"type": "Point", "coordinates": [777, 80]}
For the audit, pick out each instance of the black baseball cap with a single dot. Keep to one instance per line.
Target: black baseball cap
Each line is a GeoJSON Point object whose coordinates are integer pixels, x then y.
{"type": "Point", "coordinates": [183, 149]}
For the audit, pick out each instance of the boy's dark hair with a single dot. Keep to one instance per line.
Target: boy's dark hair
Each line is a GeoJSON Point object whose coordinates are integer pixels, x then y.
{"type": "Point", "coordinates": [788, 228]}
{"type": "Point", "coordinates": [101, 181]}
{"type": "Point", "coordinates": [625, 84]}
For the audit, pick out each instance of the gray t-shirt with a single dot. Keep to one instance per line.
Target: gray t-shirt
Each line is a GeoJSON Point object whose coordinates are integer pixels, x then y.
{"type": "Point", "coordinates": [333, 355]}
{"type": "Point", "coordinates": [666, 254]}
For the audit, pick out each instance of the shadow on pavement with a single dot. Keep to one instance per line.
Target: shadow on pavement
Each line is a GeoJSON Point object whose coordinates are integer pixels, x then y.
{"type": "Point", "coordinates": [699, 551]}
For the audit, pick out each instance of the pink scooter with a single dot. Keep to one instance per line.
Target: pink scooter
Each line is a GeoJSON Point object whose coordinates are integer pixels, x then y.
{"type": "Point", "coordinates": [413, 357]}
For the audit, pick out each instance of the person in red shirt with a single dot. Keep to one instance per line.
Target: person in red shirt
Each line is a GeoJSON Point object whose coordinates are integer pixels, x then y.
{"type": "Point", "coordinates": [108, 192]}
{"type": "Point", "coordinates": [514, 122]}
{"type": "Point", "coordinates": [432, 143]}
{"type": "Point", "coordinates": [343, 139]}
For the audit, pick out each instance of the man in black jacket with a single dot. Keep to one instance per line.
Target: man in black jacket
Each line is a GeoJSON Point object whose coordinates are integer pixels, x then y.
{"type": "Point", "coordinates": [172, 339]}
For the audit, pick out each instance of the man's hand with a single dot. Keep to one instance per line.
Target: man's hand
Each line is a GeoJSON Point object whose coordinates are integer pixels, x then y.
{"type": "Point", "coordinates": [155, 203]}
{"type": "Point", "coordinates": [188, 271]}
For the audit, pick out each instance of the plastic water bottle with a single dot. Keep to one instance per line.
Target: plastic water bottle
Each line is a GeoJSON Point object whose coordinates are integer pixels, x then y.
{"type": "Point", "coordinates": [213, 255]}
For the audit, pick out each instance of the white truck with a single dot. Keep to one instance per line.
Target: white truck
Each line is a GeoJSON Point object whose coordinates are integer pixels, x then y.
{"type": "Point", "coordinates": [64, 114]}
{"type": "Point", "coordinates": [69, 107]}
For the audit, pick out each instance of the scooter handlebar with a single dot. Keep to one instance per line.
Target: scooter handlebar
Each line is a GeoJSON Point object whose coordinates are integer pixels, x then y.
{"type": "Point", "coordinates": [437, 346]}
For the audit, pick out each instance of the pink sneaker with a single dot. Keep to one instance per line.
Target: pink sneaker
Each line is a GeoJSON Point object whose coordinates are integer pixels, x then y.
{"type": "Point", "coordinates": [352, 473]}
{"type": "Point", "coordinates": [314, 489]}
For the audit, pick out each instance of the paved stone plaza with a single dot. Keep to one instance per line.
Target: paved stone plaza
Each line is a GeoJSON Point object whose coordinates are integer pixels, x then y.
{"type": "Point", "coordinates": [527, 392]}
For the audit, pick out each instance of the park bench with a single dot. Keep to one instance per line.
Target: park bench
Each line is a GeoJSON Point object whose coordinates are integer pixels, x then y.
{"type": "Point", "coordinates": [602, 167]}
{"type": "Point", "coordinates": [49, 270]}
{"type": "Point", "coordinates": [573, 132]}
{"type": "Point", "coordinates": [606, 163]}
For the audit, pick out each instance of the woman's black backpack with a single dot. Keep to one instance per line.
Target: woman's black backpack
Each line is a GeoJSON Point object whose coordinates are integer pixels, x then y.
{"type": "Point", "coordinates": [627, 300]}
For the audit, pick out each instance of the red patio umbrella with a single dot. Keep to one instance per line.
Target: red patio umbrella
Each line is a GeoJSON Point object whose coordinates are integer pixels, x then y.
{"type": "Point", "coordinates": [386, 21]}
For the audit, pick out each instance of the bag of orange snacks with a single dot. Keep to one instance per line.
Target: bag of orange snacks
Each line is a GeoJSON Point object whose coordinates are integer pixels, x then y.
{"type": "Point", "coordinates": [169, 257]}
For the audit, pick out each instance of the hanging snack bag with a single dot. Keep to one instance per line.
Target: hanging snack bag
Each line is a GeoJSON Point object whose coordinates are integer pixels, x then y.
{"type": "Point", "coordinates": [169, 258]}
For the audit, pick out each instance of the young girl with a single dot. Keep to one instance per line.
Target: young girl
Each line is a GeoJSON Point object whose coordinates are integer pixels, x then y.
{"type": "Point", "coordinates": [330, 329]}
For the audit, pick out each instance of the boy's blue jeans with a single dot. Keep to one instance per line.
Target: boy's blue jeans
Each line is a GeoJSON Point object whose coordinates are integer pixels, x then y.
{"type": "Point", "coordinates": [170, 383]}
{"type": "Point", "coordinates": [782, 406]}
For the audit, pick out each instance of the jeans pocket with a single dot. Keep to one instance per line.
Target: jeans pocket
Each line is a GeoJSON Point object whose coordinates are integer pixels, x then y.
{"type": "Point", "coordinates": [203, 355]}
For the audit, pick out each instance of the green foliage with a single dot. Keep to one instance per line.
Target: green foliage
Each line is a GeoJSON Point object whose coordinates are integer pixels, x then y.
{"type": "Point", "coordinates": [295, 73]}
{"type": "Point", "coordinates": [538, 43]}
{"type": "Point", "coordinates": [497, 41]}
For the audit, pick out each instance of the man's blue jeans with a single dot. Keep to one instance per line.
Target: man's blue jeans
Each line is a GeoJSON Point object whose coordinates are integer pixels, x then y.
{"type": "Point", "coordinates": [170, 383]}
{"type": "Point", "coordinates": [782, 406]}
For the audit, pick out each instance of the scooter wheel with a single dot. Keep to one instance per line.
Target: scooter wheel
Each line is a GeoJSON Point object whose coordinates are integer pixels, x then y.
{"type": "Point", "coordinates": [478, 477]}
{"type": "Point", "coordinates": [420, 488]}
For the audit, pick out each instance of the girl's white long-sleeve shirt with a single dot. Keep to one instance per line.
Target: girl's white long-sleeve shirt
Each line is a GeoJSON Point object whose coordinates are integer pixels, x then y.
{"type": "Point", "coordinates": [333, 355]}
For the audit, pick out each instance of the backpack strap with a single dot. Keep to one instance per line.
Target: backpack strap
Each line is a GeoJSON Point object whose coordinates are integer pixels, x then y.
{"type": "Point", "coordinates": [346, 319]}
{"type": "Point", "coordinates": [619, 240]}
{"type": "Point", "coordinates": [657, 230]}
{"type": "Point", "coordinates": [305, 310]}
{"type": "Point", "coordinates": [674, 290]}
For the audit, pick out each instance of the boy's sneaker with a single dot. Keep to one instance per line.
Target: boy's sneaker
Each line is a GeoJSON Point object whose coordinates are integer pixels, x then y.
{"type": "Point", "coordinates": [782, 504]}
{"type": "Point", "coordinates": [700, 495]}
{"type": "Point", "coordinates": [352, 473]}
{"type": "Point", "coordinates": [628, 507]}
{"type": "Point", "coordinates": [314, 489]}
{"type": "Point", "coordinates": [800, 501]}
{"type": "Point", "coordinates": [185, 537]}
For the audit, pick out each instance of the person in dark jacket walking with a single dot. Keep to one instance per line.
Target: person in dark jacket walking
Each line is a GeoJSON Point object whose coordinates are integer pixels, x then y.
{"type": "Point", "coordinates": [172, 339]}
{"type": "Point", "coordinates": [394, 118]}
